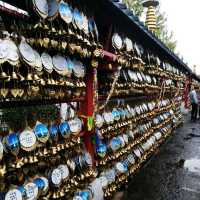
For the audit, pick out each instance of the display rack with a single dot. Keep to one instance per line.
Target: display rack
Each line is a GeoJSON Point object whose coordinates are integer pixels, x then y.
{"type": "Point", "coordinates": [128, 102]}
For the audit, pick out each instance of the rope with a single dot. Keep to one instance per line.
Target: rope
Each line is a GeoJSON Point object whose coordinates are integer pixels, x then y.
{"type": "Point", "coordinates": [117, 74]}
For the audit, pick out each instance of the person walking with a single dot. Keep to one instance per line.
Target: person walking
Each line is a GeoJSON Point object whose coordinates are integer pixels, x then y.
{"type": "Point", "coordinates": [198, 97]}
{"type": "Point", "coordinates": [194, 103]}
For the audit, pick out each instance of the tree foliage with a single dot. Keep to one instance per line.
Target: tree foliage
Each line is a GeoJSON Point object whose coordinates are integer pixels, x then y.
{"type": "Point", "coordinates": [162, 32]}
{"type": "Point", "coordinates": [136, 6]}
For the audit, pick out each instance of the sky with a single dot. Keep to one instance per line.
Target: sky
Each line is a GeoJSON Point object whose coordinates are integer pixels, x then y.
{"type": "Point", "coordinates": [183, 19]}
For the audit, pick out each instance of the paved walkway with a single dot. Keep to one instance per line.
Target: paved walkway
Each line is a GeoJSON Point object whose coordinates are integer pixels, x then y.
{"type": "Point", "coordinates": [174, 173]}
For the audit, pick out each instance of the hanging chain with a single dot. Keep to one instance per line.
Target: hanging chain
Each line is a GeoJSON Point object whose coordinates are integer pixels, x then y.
{"type": "Point", "coordinates": [117, 74]}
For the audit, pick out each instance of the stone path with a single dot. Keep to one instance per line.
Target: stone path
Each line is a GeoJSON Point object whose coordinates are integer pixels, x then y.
{"type": "Point", "coordinates": [174, 173]}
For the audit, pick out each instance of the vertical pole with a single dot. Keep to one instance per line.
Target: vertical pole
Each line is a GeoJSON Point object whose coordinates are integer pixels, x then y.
{"type": "Point", "coordinates": [186, 92]}
{"type": "Point", "coordinates": [107, 42]}
{"type": "Point", "coordinates": [87, 109]}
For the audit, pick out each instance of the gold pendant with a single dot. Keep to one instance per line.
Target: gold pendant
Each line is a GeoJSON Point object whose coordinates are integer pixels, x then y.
{"type": "Point", "coordinates": [4, 92]}
{"type": "Point", "coordinates": [14, 92]}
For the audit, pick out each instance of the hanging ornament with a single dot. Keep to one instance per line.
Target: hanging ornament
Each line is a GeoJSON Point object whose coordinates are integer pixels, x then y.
{"type": "Point", "coordinates": [90, 123]}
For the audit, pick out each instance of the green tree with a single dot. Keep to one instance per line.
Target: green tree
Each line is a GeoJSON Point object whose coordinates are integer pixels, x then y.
{"type": "Point", "coordinates": [136, 6]}
{"type": "Point", "coordinates": [162, 32]}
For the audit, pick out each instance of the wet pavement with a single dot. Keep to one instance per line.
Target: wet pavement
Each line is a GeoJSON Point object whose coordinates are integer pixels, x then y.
{"type": "Point", "coordinates": [174, 173]}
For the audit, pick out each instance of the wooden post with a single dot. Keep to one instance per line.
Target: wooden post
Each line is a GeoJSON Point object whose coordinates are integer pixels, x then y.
{"type": "Point", "coordinates": [87, 109]}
